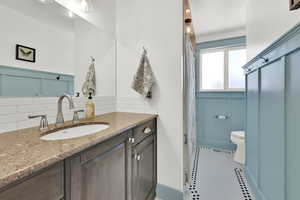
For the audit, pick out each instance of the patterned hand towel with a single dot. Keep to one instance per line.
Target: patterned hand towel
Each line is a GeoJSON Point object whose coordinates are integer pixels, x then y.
{"type": "Point", "coordinates": [89, 86]}
{"type": "Point", "coordinates": [144, 79]}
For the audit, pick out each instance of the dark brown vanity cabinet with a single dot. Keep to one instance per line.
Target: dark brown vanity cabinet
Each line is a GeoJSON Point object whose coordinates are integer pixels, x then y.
{"type": "Point", "coordinates": [99, 173]}
{"type": "Point", "coordinates": [120, 168]}
{"type": "Point", "coordinates": [48, 184]}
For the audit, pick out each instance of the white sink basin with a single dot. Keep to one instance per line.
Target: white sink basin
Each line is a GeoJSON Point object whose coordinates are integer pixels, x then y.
{"type": "Point", "coordinates": [75, 132]}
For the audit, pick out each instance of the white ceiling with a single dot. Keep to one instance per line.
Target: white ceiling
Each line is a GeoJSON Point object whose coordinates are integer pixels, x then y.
{"type": "Point", "coordinates": [214, 16]}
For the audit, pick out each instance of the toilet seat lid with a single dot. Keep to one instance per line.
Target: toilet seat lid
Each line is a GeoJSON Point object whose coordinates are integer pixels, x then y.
{"type": "Point", "coordinates": [238, 134]}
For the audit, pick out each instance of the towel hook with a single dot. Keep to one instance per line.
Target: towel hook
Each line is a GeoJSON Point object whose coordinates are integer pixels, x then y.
{"type": "Point", "coordinates": [144, 50]}
{"type": "Point", "coordinates": [93, 59]}
{"type": "Point", "coordinates": [265, 59]}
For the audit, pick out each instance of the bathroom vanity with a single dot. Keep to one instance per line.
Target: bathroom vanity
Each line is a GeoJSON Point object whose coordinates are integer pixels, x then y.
{"type": "Point", "coordinates": [118, 163]}
{"type": "Point", "coordinates": [115, 162]}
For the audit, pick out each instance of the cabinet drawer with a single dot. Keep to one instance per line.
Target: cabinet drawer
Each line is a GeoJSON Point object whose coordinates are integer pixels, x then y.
{"type": "Point", "coordinates": [45, 185]}
{"type": "Point", "coordinates": [143, 131]}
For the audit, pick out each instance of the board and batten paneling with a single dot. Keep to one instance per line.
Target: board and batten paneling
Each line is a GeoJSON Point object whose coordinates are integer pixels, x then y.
{"type": "Point", "coordinates": [252, 103]}
{"type": "Point", "coordinates": [18, 82]}
{"type": "Point", "coordinates": [214, 132]}
{"type": "Point", "coordinates": [276, 149]}
{"type": "Point", "coordinates": [292, 125]}
{"type": "Point", "coordinates": [272, 129]}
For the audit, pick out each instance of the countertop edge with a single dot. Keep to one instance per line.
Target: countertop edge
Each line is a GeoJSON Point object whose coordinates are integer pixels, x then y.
{"type": "Point", "coordinates": [21, 174]}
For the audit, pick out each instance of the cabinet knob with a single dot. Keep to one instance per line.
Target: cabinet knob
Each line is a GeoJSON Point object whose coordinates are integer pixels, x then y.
{"type": "Point", "coordinates": [265, 59]}
{"type": "Point", "coordinates": [147, 130]}
{"type": "Point", "coordinates": [132, 140]}
{"type": "Point", "coordinates": [138, 157]}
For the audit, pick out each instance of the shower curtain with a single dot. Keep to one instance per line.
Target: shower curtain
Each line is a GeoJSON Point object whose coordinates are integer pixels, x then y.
{"type": "Point", "coordinates": [190, 103]}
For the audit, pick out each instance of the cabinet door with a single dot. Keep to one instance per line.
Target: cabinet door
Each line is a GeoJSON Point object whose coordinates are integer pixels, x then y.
{"type": "Point", "coordinates": [99, 173]}
{"type": "Point", "coordinates": [252, 123]}
{"type": "Point", "coordinates": [45, 185]}
{"type": "Point", "coordinates": [144, 169]}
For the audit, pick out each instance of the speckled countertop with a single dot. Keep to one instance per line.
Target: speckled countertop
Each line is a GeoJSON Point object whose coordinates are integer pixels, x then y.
{"type": "Point", "coordinates": [22, 152]}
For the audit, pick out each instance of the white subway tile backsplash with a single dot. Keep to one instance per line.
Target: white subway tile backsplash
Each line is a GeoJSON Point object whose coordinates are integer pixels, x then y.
{"type": "Point", "coordinates": [48, 100]}
{"type": "Point", "coordinates": [10, 118]}
{"type": "Point", "coordinates": [34, 108]}
{"type": "Point", "coordinates": [15, 101]}
{"type": "Point", "coordinates": [14, 111]}
{"type": "Point", "coordinates": [28, 123]}
{"type": "Point", "coordinates": [8, 110]}
{"type": "Point", "coordinates": [7, 127]}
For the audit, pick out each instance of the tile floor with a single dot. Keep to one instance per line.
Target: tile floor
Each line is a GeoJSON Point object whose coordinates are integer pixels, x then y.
{"type": "Point", "coordinates": [217, 177]}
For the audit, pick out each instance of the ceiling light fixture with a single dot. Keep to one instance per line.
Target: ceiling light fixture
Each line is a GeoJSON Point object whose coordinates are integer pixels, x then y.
{"type": "Point", "coordinates": [188, 11]}
{"type": "Point", "coordinates": [188, 29]}
{"type": "Point", "coordinates": [84, 5]}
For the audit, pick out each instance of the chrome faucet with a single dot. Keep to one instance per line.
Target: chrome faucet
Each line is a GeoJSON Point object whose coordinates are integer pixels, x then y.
{"type": "Point", "coordinates": [60, 118]}
{"type": "Point", "coordinates": [43, 123]}
{"type": "Point", "coordinates": [76, 116]}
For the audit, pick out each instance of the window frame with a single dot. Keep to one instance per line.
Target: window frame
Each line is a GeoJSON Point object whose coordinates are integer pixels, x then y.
{"type": "Point", "coordinates": [226, 68]}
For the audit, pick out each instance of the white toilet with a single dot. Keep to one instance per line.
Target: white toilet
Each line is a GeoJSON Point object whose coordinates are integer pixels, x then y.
{"type": "Point", "coordinates": [238, 138]}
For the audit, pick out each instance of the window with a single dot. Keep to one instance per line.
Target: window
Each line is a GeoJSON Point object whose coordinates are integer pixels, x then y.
{"type": "Point", "coordinates": [213, 70]}
{"type": "Point", "coordinates": [236, 59]}
{"type": "Point", "coordinates": [221, 69]}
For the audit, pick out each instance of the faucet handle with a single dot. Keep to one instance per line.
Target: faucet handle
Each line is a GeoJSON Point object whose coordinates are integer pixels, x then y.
{"type": "Point", "coordinates": [76, 116]}
{"type": "Point", "coordinates": [43, 123]}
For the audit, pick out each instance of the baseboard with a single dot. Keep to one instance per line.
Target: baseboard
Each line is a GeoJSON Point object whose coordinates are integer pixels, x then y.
{"type": "Point", "coordinates": [152, 195]}
{"type": "Point", "coordinates": [164, 192]}
{"type": "Point", "coordinates": [254, 188]}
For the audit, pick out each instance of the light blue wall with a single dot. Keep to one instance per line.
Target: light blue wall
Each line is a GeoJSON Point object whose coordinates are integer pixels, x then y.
{"type": "Point", "coordinates": [213, 132]}
{"type": "Point", "coordinates": [252, 123]}
{"type": "Point", "coordinates": [271, 159]}
{"type": "Point", "coordinates": [18, 82]}
{"type": "Point", "coordinates": [272, 133]}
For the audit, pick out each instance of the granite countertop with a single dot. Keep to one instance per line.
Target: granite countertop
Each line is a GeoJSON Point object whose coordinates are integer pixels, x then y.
{"type": "Point", "coordinates": [22, 152]}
